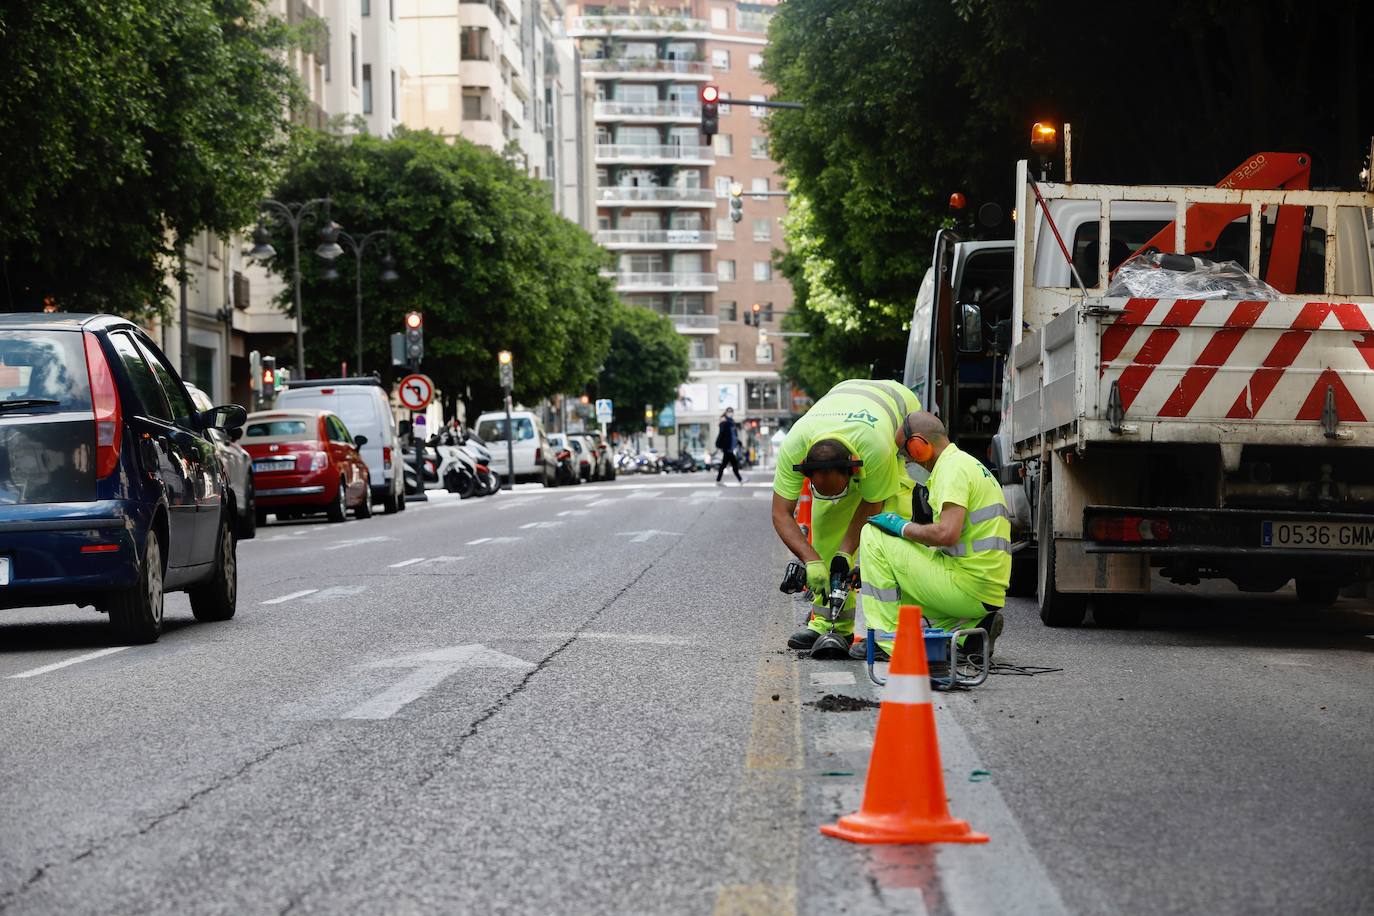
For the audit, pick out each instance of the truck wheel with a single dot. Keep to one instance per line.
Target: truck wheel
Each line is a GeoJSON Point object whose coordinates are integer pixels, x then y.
{"type": "Point", "coordinates": [217, 598]}
{"type": "Point", "coordinates": [136, 612]}
{"type": "Point", "coordinates": [1056, 609]}
{"type": "Point", "coordinates": [1317, 592]}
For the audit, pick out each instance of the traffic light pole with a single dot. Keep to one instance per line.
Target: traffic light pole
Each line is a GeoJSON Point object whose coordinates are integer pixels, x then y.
{"type": "Point", "coordinates": [510, 443]}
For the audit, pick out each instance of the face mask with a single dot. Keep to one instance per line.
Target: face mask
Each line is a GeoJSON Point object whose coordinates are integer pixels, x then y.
{"type": "Point", "coordinates": [830, 499]}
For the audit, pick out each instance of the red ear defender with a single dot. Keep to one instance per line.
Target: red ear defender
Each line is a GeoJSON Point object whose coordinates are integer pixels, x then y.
{"type": "Point", "coordinates": [918, 448]}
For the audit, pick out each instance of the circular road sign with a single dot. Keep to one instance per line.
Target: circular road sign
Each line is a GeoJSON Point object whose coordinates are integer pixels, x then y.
{"type": "Point", "coordinates": [416, 392]}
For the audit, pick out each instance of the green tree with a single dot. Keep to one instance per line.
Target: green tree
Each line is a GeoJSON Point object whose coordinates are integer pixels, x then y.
{"type": "Point", "coordinates": [124, 126]}
{"type": "Point", "coordinates": [479, 251]}
{"type": "Point", "coordinates": [646, 364]}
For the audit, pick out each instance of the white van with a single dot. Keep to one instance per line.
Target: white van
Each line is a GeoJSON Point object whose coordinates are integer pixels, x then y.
{"type": "Point", "coordinates": [363, 405]}
{"type": "Point", "coordinates": [534, 460]}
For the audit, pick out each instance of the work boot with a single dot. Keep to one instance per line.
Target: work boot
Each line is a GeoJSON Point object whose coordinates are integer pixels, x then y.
{"type": "Point", "coordinates": [859, 652]}
{"type": "Point", "coordinates": [993, 624]}
{"type": "Point", "coordinates": [803, 639]}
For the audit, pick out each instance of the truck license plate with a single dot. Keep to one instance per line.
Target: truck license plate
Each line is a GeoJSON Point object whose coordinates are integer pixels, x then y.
{"type": "Point", "coordinates": [1318, 535]}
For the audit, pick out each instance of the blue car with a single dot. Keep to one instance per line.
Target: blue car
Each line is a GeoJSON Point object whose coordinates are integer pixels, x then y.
{"type": "Point", "coordinates": [111, 493]}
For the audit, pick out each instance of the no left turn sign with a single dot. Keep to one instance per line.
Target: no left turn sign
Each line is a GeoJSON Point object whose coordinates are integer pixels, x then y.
{"type": "Point", "coordinates": [416, 392]}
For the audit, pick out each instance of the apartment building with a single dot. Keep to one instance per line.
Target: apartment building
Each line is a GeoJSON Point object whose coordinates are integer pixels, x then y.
{"type": "Point", "coordinates": [662, 194]}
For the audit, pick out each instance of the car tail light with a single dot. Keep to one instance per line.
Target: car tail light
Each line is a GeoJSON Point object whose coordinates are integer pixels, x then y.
{"type": "Point", "coordinates": [386, 457]}
{"type": "Point", "coordinates": [1130, 528]}
{"type": "Point", "coordinates": [100, 548]}
{"type": "Point", "coordinates": [319, 461]}
{"type": "Point", "coordinates": [109, 419]}
{"type": "Point", "coordinates": [538, 455]}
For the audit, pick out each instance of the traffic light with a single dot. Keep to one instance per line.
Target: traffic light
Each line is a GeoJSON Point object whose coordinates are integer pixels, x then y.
{"type": "Point", "coordinates": [756, 310]}
{"type": "Point", "coordinates": [710, 110]}
{"type": "Point", "coordinates": [415, 336]}
{"type": "Point", "coordinates": [269, 374]}
{"type": "Point", "coordinates": [736, 201]}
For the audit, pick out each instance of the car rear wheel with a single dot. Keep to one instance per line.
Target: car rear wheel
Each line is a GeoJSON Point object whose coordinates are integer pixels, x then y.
{"type": "Point", "coordinates": [136, 612]}
{"type": "Point", "coordinates": [217, 598]}
{"type": "Point", "coordinates": [364, 509]}
{"type": "Point", "coordinates": [248, 519]}
{"type": "Point", "coordinates": [338, 509]}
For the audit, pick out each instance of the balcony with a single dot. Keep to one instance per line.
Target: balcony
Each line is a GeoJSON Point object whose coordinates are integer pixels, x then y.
{"type": "Point", "coordinates": [656, 238]}
{"type": "Point", "coordinates": [621, 196]}
{"type": "Point", "coordinates": [652, 112]}
{"type": "Point", "coordinates": [682, 282]}
{"type": "Point", "coordinates": [704, 363]}
{"type": "Point", "coordinates": [646, 68]}
{"type": "Point", "coordinates": [642, 26]}
{"type": "Point", "coordinates": [696, 324]}
{"type": "Point", "coordinates": [672, 153]}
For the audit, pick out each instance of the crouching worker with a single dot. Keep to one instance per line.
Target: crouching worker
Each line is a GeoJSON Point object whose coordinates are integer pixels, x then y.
{"type": "Point", "coordinates": [844, 447]}
{"type": "Point", "coordinates": [956, 568]}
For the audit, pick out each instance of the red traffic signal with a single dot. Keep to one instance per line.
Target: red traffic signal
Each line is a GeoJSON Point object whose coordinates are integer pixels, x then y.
{"type": "Point", "coordinates": [710, 94]}
{"type": "Point", "coordinates": [414, 320]}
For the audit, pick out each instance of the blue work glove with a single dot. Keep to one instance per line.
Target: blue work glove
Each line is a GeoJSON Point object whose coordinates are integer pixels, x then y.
{"type": "Point", "coordinates": [889, 522]}
{"type": "Point", "coordinates": [817, 577]}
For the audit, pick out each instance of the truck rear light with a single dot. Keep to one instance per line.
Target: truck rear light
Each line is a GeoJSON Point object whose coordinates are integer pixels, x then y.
{"type": "Point", "coordinates": [386, 457]}
{"type": "Point", "coordinates": [1129, 529]}
{"type": "Point", "coordinates": [109, 419]}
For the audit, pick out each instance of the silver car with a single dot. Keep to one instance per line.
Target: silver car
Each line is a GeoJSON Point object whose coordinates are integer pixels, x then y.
{"type": "Point", "coordinates": [238, 465]}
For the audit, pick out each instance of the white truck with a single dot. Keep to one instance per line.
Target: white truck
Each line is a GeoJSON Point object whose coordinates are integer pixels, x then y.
{"type": "Point", "coordinates": [1175, 438]}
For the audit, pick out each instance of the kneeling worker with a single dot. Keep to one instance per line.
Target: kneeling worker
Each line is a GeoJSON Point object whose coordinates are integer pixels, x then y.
{"type": "Point", "coordinates": [956, 568]}
{"type": "Point", "coordinates": [843, 445]}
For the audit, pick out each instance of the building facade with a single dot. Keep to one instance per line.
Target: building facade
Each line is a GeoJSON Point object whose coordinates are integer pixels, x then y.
{"type": "Point", "coordinates": [662, 203]}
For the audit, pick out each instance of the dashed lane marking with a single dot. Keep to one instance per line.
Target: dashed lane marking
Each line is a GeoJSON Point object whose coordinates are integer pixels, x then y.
{"type": "Point", "coordinates": [579, 498]}
{"type": "Point", "coordinates": [528, 525]}
{"type": "Point", "coordinates": [573, 512]}
{"type": "Point", "coordinates": [603, 502]}
{"type": "Point", "coordinates": [411, 562]}
{"type": "Point", "coordinates": [293, 596]}
{"type": "Point", "coordinates": [335, 592]}
{"type": "Point", "coordinates": [500, 540]}
{"type": "Point", "coordinates": [354, 542]}
{"type": "Point", "coordinates": [75, 660]}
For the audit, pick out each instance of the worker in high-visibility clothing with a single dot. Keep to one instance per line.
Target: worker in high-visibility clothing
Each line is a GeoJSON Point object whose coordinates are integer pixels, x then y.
{"type": "Point", "coordinates": [956, 568]}
{"type": "Point", "coordinates": [843, 445]}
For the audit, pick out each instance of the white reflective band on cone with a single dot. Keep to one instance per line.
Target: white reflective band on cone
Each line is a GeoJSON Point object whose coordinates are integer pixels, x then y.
{"type": "Point", "coordinates": [907, 688]}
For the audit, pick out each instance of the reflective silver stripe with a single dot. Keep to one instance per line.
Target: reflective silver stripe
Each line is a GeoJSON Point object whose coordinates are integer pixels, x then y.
{"type": "Point", "coordinates": [992, 544]}
{"type": "Point", "coordinates": [908, 689]}
{"type": "Point", "coordinates": [996, 510]}
{"type": "Point", "coordinates": [958, 550]}
{"type": "Point", "coordinates": [880, 594]}
{"type": "Point", "coordinates": [875, 397]}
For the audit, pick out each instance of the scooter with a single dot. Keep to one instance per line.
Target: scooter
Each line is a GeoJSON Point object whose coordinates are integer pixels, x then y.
{"type": "Point", "coordinates": [458, 471]}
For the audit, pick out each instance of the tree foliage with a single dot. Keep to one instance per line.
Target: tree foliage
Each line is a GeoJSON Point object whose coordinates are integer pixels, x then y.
{"type": "Point", "coordinates": [123, 126]}
{"type": "Point", "coordinates": [479, 251]}
{"type": "Point", "coordinates": [646, 364]}
{"type": "Point", "coordinates": [908, 101]}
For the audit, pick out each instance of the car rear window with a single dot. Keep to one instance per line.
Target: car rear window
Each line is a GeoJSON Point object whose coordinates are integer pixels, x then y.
{"type": "Point", "coordinates": [45, 365]}
{"type": "Point", "coordinates": [278, 429]}
{"type": "Point", "coordinates": [494, 430]}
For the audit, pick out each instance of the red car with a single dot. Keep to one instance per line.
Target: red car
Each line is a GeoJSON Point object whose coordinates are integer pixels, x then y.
{"type": "Point", "coordinates": [306, 461]}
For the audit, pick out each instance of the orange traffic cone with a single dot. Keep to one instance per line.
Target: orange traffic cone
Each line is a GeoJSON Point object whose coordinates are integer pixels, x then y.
{"type": "Point", "coordinates": [904, 798]}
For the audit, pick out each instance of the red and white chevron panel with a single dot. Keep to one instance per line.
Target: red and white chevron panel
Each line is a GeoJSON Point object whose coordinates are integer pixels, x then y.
{"type": "Point", "coordinates": [1224, 360]}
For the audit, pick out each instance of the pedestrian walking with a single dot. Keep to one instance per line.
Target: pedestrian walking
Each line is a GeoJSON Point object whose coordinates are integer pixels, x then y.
{"type": "Point", "coordinates": [727, 440]}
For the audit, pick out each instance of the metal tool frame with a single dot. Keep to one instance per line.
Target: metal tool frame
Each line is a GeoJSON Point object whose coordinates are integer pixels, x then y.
{"type": "Point", "coordinates": [954, 680]}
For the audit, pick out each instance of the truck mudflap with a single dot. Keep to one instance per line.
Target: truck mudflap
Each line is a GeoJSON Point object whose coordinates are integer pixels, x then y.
{"type": "Point", "coordinates": [1254, 533]}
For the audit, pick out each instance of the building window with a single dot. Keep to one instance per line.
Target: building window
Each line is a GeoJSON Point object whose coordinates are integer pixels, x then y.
{"type": "Point", "coordinates": [758, 185]}
{"type": "Point", "coordinates": [763, 271]}
{"type": "Point", "coordinates": [724, 104]}
{"type": "Point", "coordinates": [472, 44]}
{"type": "Point", "coordinates": [722, 185]}
{"type": "Point", "coordinates": [758, 147]}
{"type": "Point", "coordinates": [756, 62]}
{"type": "Point", "coordinates": [720, 59]}
{"type": "Point", "coordinates": [763, 230]}
{"type": "Point", "coordinates": [725, 229]}
{"type": "Point", "coordinates": [367, 89]}
{"type": "Point", "coordinates": [726, 311]}
{"type": "Point", "coordinates": [395, 116]}
{"type": "Point", "coordinates": [725, 145]}
{"type": "Point", "coordinates": [353, 58]}
{"type": "Point", "coordinates": [728, 353]}
{"type": "Point", "coordinates": [725, 270]}
{"type": "Point", "coordinates": [367, 7]}
{"type": "Point", "coordinates": [473, 109]}
{"type": "Point", "coordinates": [755, 110]}
{"type": "Point", "coordinates": [720, 17]}
{"type": "Point", "coordinates": [762, 394]}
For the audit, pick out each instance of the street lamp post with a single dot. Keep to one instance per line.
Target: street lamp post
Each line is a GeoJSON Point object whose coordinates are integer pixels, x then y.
{"type": "Point", "coordinates": [503, 360]}
{"type": "Point", "coordinates": [357, 245]}
{"type": "Point", "coordinates": [293, 215]}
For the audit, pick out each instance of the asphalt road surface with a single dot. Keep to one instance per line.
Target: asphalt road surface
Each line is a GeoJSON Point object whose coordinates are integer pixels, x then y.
{"type": "Point", "coordinates": [578, 701]}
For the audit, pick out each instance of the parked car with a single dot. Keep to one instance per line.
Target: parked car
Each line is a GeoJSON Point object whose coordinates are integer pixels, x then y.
{"type": "Point", "coordinates": [365, 409]}
{"type": "Point", "coordinates": [306, 461]}
{"type": "Point", "coordinates": [238, 466]}
{"type": "Point", "coordinates": [583, 454]}
{"type": "Point", "coordinates": [110, 493]}
{"type": "Point", "coordinates": [534, 461]}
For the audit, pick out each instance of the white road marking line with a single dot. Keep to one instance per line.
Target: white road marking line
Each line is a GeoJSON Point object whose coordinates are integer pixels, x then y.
{"type": "Point", "coordinates": [573, 512]}
{"type": "Point", "coordinates": [831, 678]}
{"type": "Point", "coordinates": [411, 562]}
{"type": "Point", "coordinates": [500, 540]}
{"type": "Point", "coordinates": [293, 596]}
{"type": "Point", "coordinates": [76, 660]}
{"type": "Point", "coordinates": [431, 670]}
{"type": "Point", "coordinates": [639, 537]}
{"type": "Point", "coordinates": [644, 494]}
{"type": "Point", "coordinates": [570, 499]}
{"type": "Point", "coordinates": [540, 525]}
{"type": "Point", "coordinates": [336, 591]}
{"type": "Point", "coordinates": [482, 541]}
{"type": "Point", "coordinates": [340, 545]}
{"type": "Point", "coordinates": [608, 502]}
